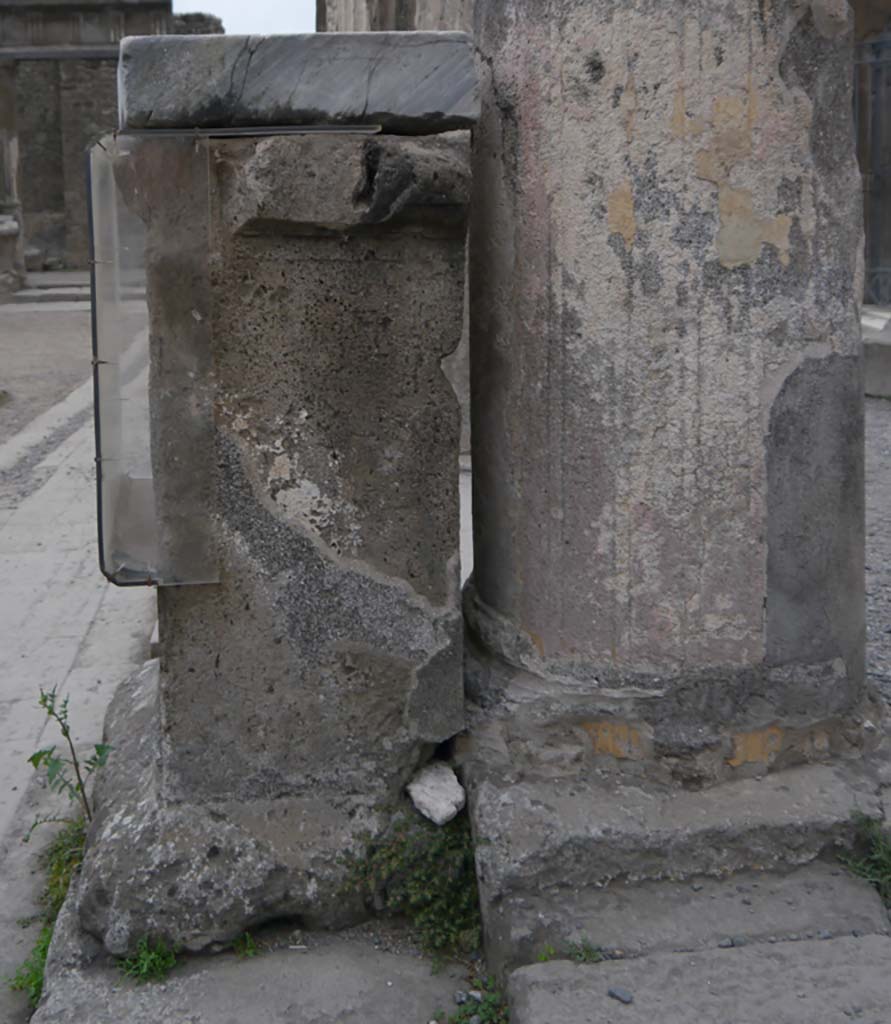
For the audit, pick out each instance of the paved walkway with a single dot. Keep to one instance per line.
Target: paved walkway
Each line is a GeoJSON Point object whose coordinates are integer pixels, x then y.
{"type": "Point", "coordinates": [61, 624]}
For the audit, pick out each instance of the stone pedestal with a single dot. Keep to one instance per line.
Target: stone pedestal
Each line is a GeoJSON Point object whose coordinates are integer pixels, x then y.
{"type": "Point", "coordinates": [667, 430]}
{"type": "Point", "coordinates": [297, 695]}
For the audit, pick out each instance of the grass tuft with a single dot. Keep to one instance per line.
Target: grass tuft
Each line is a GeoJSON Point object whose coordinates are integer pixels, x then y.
{"type": "Point", "coordinates": [491, 1010]}
{"type": "Point", "coordinates": [60, 861]}
{"type": "Point", "coordinates": [29, 977]}
{"type": "Point", "coordinates": [873, 858]}
{"type": "Point", "coordinates": [245, 946]}
{"type": "Point", "coordinates": [585, 953]}
{"type": "Point", "coordinates": [152, 961]}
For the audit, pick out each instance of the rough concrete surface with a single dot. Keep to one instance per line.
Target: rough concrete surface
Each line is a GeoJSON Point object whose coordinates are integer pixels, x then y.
{"type": "Point", "coordinates": [418, 83]}
{"type": "Point", "coordinates": [818, 982]}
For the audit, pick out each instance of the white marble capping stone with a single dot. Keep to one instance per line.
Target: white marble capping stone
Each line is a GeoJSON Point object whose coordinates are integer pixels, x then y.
{"type": "Point", "coordinates": [417, 83]}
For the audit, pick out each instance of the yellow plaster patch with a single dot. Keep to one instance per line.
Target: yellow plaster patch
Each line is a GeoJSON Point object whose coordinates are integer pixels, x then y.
{"type": "Point", "coordinates": [756, 747]}
{"type": "Point", "coordinates": [617, 739]}
{"type": "Point", "coordinates": [743, 231]}
{"type": "Point", "coordinates": [620, 213]}
{"type": "Point", "coordinates": [732, 121]}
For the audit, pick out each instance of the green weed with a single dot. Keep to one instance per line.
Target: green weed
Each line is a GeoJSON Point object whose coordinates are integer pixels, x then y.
{"type": "Point", "coordinates": [547, 954]}
{"type": "Point", "coordinates": [60, 860]}
{"type": "Point", "coordinates": [491, 1010]}
{"type": "Point", "coordinates": [29, 977]}
{"type": "Point", "coordinates": [585, 953]}
{"type": "Point", "coordinates": [59, 767]}
{"type": "Point", "coordinates": [426, 873]}
{"type": "Point", "coordinates": [874, 861]}
{"type": "Point", "coordinates": [153, 961]}
{"type": "Point", "coordinates": [245, 947]}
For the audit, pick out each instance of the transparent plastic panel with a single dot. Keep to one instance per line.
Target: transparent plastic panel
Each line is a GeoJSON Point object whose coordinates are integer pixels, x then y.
{"type": "Point", "coordinates": [149, 210]}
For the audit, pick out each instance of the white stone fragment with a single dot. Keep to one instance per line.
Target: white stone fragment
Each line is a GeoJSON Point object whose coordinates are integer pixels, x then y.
{"type": "Point", "coordinates": [436, 793]}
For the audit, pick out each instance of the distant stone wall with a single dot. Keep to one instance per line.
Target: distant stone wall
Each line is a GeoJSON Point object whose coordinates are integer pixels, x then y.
{"type": "Point", "coordinates": [41, 165]}
{"type": "Point", "coordinates": [88, 108]}
{"type": "Point", "coordinates": [870, 17]}
{"type": "Point", "coordinates": [65, 57]}
{"type": "Point", "coordinates": [196, 25]}
{"type": "Point", "coordinates": [11, 262]}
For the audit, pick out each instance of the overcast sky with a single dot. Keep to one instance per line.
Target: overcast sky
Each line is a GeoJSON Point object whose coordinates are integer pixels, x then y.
{"type": "Point", "coordinates": [256, 17]}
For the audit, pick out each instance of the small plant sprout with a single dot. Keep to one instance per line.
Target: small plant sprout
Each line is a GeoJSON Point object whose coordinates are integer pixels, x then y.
{"type": "Point", "coordinates": [548, 953]}
{"type": "Point", "coordinates": [491, 1009]}
{"type": "Point", "coordinates": [245, 946]}
{"type": "Point", "coordinates": [152, 961]}
{"type": "Point", "coordinates": [66, 774]}
{"type": "Point", "coordinates": [585, 952]}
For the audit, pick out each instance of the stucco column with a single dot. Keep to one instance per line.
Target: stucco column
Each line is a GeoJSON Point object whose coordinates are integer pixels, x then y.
{"type": "Point", "coordinates": [667, 394]}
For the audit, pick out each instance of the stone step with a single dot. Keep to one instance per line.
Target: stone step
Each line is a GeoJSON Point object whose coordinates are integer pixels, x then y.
{"type": "Point", "coordinates": [816, 982]}
{"type": "Point", "coordinates": [310, 979]}
{"type": "Point", "coordinates": [31, 295]}
{"type": "Point", "coordinates": [819, 900]}
{"type": "Point", "coordinates": [535, 835]}
{"type": "Point", "coordinates": [877, 369]}
{"type": "Point", "coordinates": [58, 279]}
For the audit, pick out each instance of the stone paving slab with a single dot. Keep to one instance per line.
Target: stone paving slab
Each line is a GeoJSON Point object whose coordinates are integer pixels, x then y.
{"type": "Point", "coordinates": [418, 82]}
{"type": "Point", "coordinates": [57, 612]}
{"type": "Point", "coordinates": [818, 982]}
{"type": "Point", "coordinates": [61, 625]}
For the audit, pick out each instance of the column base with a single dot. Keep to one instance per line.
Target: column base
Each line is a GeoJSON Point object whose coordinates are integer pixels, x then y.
{"type": "Point", "coordinates": [694, 728]}
{"type": "Point", "coordinates": [595, 812]}
{"type": "Point", "coordinates": [198, 876]}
